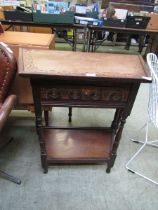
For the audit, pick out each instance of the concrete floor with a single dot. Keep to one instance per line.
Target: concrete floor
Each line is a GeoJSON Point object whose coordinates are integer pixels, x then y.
{"type": "Point", "coordinates": [82, 187]}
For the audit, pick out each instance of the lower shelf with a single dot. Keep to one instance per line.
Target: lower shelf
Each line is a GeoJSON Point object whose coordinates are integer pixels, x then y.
{"type": "Point", "coordinates": [77, 145]}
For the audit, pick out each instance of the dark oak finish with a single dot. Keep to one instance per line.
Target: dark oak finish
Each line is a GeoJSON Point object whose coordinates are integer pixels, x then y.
{"type": "Point", "coordinates": [77, 145]}
{"type": "Point", "coordinates": [77, 79]}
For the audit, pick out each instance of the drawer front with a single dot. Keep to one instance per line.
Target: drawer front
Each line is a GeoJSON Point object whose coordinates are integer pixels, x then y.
{"type": "Point", "coordinates": [83, 94]}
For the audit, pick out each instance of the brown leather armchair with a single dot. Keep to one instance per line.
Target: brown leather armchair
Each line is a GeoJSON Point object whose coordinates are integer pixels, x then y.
{"type": "Point", "coordinates": [8, 67]}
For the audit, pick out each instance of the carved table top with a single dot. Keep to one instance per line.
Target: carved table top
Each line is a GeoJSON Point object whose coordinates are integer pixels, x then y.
{"type": "Point", "coordinates": [35, 62]}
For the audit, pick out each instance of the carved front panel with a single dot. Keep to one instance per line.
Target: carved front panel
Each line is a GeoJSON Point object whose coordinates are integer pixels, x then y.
{"type": "Point", "coordinates": [107, 94]}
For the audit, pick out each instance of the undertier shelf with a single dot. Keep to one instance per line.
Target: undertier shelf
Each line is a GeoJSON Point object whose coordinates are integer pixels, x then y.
{"type": "Point", "coordinates": [77, 145]}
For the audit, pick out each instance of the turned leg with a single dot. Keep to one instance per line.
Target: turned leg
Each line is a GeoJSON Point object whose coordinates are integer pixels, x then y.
{"type": "Point", "coordinates": [128, 44]}
{"type": "Point", "coordinates": [117, 125]}
{"type": "Point", "coordinates": [70, 114]}
{"type": "Point", "coordinates": [141, 43]}
{"type": "Point", "coordinates": [44, 163]}
{"type": "Point", "coordinates": [116, 121]}
{"type": "Point", "coordinates": [46, 117]}
{"type": "Point", "coordinates": [108, 170]}
{"type": "Point", "coordinates": [110, 163]}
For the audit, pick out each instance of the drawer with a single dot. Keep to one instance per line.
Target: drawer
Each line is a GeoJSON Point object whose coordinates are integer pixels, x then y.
{"type": "Point", "coordinates": [83, 94]}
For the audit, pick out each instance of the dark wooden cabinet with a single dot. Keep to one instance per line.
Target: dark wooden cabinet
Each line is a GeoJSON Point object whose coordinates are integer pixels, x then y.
{"type": "Point", "coordinates": [76, 79]}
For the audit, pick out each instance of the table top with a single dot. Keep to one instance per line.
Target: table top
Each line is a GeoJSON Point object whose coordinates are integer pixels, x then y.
{"type": "Point", "coordinates": [56, 25]}
{"type": "Point", "coordinates": [34, 63]}
{"type": "Point", "coordinates": [26, 38]}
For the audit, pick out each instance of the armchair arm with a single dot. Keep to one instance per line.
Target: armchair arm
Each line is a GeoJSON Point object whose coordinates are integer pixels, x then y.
{"type": "Point", "coordinates": [6, 108]}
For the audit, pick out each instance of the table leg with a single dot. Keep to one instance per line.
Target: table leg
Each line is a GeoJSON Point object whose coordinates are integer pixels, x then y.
{"type": "Point", "coordinates": [115, 122]}
{"type": "Point", "coordinates": [70, 114]}
{"type": "Point", "coordinates": [93, 43]}
{"type": "Point", "coordinates": [141, 43]}
{"type": "Point", "coordinates": [44, 162]}
{"type": "Point", "coordinates": [117, 125]}
{"type": "Point", "coordinates": [46, 117]}
{"type": "Point", "coordinates": [74, 39]}
{"type": "Point", "coordinates": [85, 39]}
{"type": "Point", "coordinates": [152, 45]}
{"type": "Point", "coordinates": [90, 40]}
{"type": "Point", "coordinates": [128, 44]}
{"type": "Point", "coordinates": [53, 31]}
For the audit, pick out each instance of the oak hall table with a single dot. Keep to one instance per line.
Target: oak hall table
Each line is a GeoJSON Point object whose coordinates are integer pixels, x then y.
{"type": "Point", "coordinates": [77, 79]}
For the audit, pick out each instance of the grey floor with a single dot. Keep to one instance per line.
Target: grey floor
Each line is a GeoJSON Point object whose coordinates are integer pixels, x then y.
{"type": "Point", "coordinates": [85, 187]}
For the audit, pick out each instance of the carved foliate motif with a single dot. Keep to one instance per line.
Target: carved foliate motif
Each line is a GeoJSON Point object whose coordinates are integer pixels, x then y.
{"type": "Point", "coordinates": [85, 94]}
